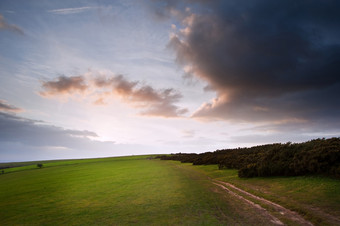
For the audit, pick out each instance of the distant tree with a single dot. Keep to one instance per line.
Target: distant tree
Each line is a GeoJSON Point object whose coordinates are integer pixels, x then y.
{"type": "Point", "coordinates": [40, 165]}
{"type": "Point", "coordinates": [2, 171]}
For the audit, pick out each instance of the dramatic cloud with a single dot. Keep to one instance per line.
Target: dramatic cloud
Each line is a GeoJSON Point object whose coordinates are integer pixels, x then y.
{"type": "Point", "coordinates": [268, 61]}
{"type": "Point", "coordinates": [8, 108]}
{"type": "Point", "coordinates": [11, 27]}
{"type": "Point", "coordinates": [153, 102]}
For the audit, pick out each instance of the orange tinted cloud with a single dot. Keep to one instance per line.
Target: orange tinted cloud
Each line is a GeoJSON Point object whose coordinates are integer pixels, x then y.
{"type": "Point", "coordinates": [8, 108]}
{"type": "Point", "coordinates": [153, 102]}
{"type": "Point", "coordinates": [11, 27]}
{"type": "Point", "coordinates": [64, 85]}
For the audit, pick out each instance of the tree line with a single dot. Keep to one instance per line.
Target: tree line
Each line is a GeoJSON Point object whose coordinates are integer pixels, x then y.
{"type": "Point", "coordinates": [319, 156]}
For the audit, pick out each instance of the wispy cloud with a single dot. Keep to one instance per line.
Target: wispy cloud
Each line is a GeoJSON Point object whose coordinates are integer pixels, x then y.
{"type": "Point", "coordinates": [23, 139]}
{"type": "Point", "coordinates": [66, 11]}
{"type": "Point", "coordinates": [39, 134]}
{"type": "Point", "coordinates": [4, 106]}
{"type": "Point", "coordinates": [188, 133]}
{"type": "Point", "coordinates": [11, 27]}
{"type": "Point", "coordinates": [153, 102]}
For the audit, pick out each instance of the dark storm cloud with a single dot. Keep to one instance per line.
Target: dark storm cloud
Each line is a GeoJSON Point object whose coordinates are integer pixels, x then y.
{"type": "Point", "coordinates": [266, 60]}
{"type": "Point", "coordinates": [35, 133]}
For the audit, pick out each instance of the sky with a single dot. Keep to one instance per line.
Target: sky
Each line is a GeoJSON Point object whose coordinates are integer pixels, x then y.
{"type": "Point", "coordinates": [99, 78]}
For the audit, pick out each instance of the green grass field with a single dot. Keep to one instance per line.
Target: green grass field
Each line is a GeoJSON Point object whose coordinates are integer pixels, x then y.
{"type": "Point", "coordinates": [116, 191]}
{"type": "Point", "coordinates": [314, 197]}
{"type": "Point", "coordinates": [135, 190]}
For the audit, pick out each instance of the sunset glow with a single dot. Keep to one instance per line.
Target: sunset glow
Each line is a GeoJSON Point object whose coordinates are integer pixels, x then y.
{"type": "Point", "coordinates": [84, 79]}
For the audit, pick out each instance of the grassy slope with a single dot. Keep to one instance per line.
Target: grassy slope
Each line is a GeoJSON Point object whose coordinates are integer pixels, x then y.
{"type": "Point", "coordinates": [312, 196]}
{"type": "Point", "coordinates": [117, 191]}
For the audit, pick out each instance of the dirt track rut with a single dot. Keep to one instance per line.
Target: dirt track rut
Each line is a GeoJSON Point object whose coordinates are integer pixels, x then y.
{"type": "Point", "coordinates": [246, 196]}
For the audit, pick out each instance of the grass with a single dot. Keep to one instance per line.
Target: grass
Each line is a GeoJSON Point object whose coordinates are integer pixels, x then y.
{"type": "Point", "coordinates": [312, 196]}
{"type": "Point", "coordinates": [116, 191]}
{"type": "Point", "coordinates": [134, 190]}
{"type": "Point", "coordinates": [20, 166]}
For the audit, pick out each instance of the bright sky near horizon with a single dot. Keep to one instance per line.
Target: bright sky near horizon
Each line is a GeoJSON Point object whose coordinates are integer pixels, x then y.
{"type": "Point", "coordinates": [94, 78]}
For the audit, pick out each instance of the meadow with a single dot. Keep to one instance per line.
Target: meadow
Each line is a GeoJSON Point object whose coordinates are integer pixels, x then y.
{"type": "Point", "coordinates": [115, 191]}
{"type": "Point", "coordinates": [138, 191]}
{"type": "Point", "coordinates": [316, 198]}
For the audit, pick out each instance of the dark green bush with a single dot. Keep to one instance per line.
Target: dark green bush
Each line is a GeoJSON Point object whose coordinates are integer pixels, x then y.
{"type": "Point", "coordinates": [320, 156]}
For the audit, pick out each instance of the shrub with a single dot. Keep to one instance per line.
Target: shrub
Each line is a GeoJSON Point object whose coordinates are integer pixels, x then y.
{"type": "Point", "coordinates": [319, 156]}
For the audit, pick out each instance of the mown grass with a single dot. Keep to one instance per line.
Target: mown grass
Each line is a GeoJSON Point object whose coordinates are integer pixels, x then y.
{"type": "Point", "coordinates": [312, 196]}
{"type": "Point", "coordinates": [116, 191]}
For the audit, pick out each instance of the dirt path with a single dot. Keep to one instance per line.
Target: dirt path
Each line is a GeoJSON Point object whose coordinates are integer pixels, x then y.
{"type": "Point", "coordinates": [245, 196]}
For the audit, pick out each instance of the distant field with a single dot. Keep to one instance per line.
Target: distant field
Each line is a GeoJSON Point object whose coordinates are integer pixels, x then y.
{"type": "Point", "coordinates": [19, 166]}
{"type": "Point", "coordinates": [117, 191]}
